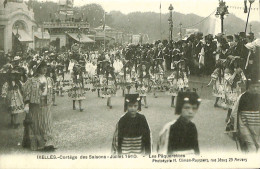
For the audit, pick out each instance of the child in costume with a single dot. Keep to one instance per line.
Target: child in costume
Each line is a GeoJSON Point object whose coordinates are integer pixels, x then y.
{"type": "Point", "coordinates": [217, 77]}
{"type": "Point", "coordinates": [181, 135]}
{"type": "Point", "coordinates": [76, 92]}
{"type": "Point", "coordinates": [233, 76]}
{"type": "Point", "coordinates": [173, 88]}
{"type": "Point", "coordinates": [244, 123]}
{"type": "Point", "coordinates": [143, 82]}
{"type": "Point", "coordinates": [156, 73]}
{"type": "Point", "coordinates": [182, 75]}
{"type": "Point", "coordinates": [109, 85]}
{"type": "Point", "coordinates": [132, 134]}
{"type": "Point", "coordinates": [11, 92]}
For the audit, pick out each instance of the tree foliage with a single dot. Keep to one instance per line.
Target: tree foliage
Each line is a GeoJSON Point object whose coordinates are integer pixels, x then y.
{"type": "Point", "coordinates": [138, 22]}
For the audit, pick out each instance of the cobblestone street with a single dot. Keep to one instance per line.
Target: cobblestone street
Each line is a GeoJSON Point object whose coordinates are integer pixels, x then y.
{"type": "Point", "coordinates": [92, 130]}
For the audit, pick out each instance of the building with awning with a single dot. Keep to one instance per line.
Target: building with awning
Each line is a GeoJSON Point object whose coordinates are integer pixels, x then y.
{"type": "Point", "coordinates": [110, 34]}
{"type": "Point", "coordinates": [81, 38]}
{"type": "Point", "coordinates": [17, 25]}
{"type": "Point", "coordinates": [22, 36]}
{"type": "Point", "coordinates": [41, 39]}
{"type": "Point", "coordinates": [102, 38]}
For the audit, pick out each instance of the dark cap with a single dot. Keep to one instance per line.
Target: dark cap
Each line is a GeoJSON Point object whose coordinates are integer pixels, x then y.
{"type": "Point", "coordinates": [132, 98]}
{"type": "Point", "coordinates": [242, 34]}
{"type": "Point", "coordinates": [186, 97]}
{"type": "Point", "coordinates": [230, 37]}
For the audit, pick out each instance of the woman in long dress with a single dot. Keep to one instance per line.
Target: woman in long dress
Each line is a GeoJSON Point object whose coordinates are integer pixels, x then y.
{"type": "Point", "coordinates": [38, 92]}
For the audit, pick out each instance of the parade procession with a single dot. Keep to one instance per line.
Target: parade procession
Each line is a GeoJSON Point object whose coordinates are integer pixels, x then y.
{"type": "Point", "coordinates": [69, 82]}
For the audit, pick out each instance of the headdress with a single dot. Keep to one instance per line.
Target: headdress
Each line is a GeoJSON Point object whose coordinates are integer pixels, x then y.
{"type": "Point", "coordinates": [132, 98]}
{"type": "Point", "coordinates": [186, 97]}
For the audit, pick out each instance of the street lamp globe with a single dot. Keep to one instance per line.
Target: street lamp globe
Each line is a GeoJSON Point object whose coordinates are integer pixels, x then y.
{"type": "Point", "coordinates": [170, 7]}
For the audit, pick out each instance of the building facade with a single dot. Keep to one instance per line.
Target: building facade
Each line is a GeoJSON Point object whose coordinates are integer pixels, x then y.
{"type": "Point", "coordinates": [17, 26]}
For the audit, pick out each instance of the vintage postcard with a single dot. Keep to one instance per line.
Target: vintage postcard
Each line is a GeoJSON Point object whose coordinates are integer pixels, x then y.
{"type": "Point", "coordinates": [129, 84]}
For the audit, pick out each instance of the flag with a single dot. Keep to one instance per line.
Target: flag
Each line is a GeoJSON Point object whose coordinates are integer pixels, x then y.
{"type": "Point", "coordinates": [5, 2]}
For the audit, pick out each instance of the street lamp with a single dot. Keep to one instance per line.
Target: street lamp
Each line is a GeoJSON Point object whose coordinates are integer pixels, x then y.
{"type": "Point", "coordinates": [250, 1]}
{"type": "Point", "coordinates": [170, 22]}
{"type": "Point", "coordinates": [104, 27]}
{"type": "Point", "coordinates": [181, 31]}
{"type": "Point", "coordinates": [17, 34]}
{"type": "Point", "coordinates": [222, 10]}
{"type": "Point", "coordinates": [79, 36]}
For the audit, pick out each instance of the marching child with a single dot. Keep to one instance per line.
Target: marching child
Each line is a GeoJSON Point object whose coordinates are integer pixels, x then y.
{"type": "Point", "coordinates": [76, 92]}
{"type": "Point", "coordinates": [181, 135]}
{"type": "Point", "coordinates": [11, 91]}
{"type": "Point", "coordinates": [132, 134]}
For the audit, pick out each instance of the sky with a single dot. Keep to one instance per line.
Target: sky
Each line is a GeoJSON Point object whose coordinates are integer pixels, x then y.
{"type": "Point", "coordinates": [199, 7]}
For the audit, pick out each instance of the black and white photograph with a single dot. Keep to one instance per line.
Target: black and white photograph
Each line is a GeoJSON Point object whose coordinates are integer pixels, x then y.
{"type": "Point", "coordinates": [129, 84]}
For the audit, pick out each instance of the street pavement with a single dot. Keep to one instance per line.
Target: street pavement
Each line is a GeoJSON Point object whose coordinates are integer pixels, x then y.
{"type": "Point", "coordinates": [92, 130]}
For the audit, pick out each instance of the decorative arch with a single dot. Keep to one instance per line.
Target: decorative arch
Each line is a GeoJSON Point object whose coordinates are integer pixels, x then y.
{"type": "Point", "coordinates": [19, 14]}
{"type": "Point", "coordinates": [21, 25]}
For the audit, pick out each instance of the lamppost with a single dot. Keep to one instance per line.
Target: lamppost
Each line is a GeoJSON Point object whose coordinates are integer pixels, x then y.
{"type": "Point", "coordinates": [79, 36]}
{"type": "Point", "coordinates": [42, 37]}
{"type": "Point", "coordinates": [181, 31]}
{"type": "Point", "coordinates": [250, 1]}
{"type": "Point", "coordinates": [17, 34]}
{"type": "Point", "coordinates": [17, 38]}
{"type": "Point", "coordinates": [222, 10]}
{"type": "Point", "coordinates": [104, 27]}
{"type": "Point", "coordinates": [170, 22]}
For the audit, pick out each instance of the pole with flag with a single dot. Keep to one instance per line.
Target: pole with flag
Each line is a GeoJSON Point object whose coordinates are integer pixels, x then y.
{"type": "Point", "coordinates": [104, 28]}
{"type": "Point", "coordinates": [160, 21]}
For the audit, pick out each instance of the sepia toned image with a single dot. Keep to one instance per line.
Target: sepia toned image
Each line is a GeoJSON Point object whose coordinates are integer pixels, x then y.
{"type": "Point", "coordinates": [129, 84]}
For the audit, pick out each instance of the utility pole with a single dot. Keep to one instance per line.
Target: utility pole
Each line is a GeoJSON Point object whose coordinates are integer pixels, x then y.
{"type": "Point", "coordinates": [170, 22]}
{"type": "Point", "coordinates": [161, 21]}
{"type": "Point", "coordinates": [104, 27]}
{"type": "Point", "coordinates": [181, 31]}
{"type": "Point", "coordinates": [250, 1]}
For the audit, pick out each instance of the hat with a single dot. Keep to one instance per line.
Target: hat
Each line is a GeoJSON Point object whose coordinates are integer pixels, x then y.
{"type": "Point", "coordinates": [209, 37]}
{"type": "Point", "coordinates": [186, 97]}
{"type": "Point", "coordinates": [230, 37]}
{"type": "Point", "coordinates": [242, 34]}
{"type": "Point", "coordinates": [16, 58]}
{"type": "Point", "coordinates": [165, 42]}
{"type": "Point", "coordinates": [132, 98]}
